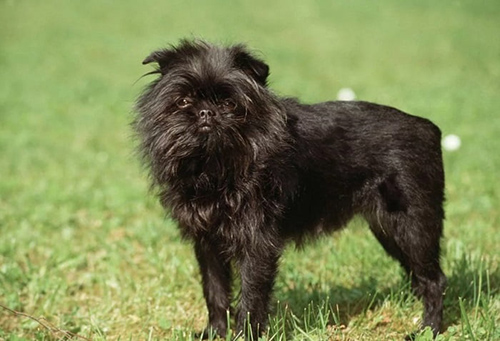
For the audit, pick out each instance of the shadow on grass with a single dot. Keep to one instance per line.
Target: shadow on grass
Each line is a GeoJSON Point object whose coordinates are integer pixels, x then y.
{"type": "Point", "coordinates": [472, 286]}
{"type": "Point", "coordinates": [333, 309]}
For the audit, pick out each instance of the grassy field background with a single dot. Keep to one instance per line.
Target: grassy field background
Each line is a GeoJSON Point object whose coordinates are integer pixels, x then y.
{"type": "Point", "coordinates": [86, 249]}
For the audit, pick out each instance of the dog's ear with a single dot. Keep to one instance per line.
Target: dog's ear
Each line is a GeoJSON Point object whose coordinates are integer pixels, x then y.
{"type": "Point", "coordinates": [251, 65]}
{"type": "Point", "coordinates": [164, 58]}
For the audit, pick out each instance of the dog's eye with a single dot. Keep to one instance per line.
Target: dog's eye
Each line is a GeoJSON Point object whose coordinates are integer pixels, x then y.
{"type": "Point", "coordinates": [228, 104]}
{"type": "Point", "coordinates": [183, 102]}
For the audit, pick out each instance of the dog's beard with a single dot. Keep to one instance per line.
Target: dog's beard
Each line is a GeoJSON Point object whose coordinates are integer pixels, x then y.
{"type": "Point", "coordinates": [187, 151]}
{"type": "Point", "coordinates": [177, 150]}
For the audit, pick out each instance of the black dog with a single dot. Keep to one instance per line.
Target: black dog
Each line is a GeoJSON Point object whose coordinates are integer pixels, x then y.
{"type": "Point", "coordinates": [243, 171]}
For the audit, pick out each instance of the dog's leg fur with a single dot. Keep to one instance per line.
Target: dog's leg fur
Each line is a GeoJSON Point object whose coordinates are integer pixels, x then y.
{"type": "Point", "coordinates": [216, 278]}
{"type": "Point", "coordinates": [258, 270]}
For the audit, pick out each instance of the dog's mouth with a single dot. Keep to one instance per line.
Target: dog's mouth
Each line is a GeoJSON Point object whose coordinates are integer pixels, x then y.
{"type": "Point", "coordinates": [205, 127]}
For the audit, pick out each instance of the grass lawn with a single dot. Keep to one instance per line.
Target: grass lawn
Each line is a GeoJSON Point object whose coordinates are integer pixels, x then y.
{"type": "Point", "coordinates": [85, 249]}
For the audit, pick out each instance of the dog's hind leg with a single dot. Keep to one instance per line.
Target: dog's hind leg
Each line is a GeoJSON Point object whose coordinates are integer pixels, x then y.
{"type": "Point", "coordinates": [410, 231]}
{"type": "Point", "coordinates": [420, 241]}
{"type": "Point", "coordinates": [418, 253]}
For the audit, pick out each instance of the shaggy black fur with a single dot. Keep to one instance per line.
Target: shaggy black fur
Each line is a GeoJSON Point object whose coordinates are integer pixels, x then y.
{"type": "Point", "coordinates": [243, 171]}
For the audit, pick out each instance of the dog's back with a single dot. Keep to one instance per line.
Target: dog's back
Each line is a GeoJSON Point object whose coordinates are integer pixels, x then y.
{"type": "Point", "coordinates": [358, 157]}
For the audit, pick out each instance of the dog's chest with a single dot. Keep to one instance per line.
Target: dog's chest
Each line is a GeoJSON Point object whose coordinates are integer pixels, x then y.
{"type": "Point", "coordinates": [223, 211]}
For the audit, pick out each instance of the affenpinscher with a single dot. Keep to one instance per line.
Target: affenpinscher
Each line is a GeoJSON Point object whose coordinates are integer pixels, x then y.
{"type": "Point", "coordinates": [244, 171]}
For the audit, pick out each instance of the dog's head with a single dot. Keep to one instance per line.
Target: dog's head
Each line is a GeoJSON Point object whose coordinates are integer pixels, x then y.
{"type": "Point", "coordinates": [208, 88]}
{"type": "Point", "coordinates": [207, 100]}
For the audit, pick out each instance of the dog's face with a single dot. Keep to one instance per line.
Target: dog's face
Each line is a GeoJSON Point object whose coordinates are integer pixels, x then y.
{"type": "Point", "coordinates": [207, 100]}
{"type": "Point", "coordinates": [206, 92]}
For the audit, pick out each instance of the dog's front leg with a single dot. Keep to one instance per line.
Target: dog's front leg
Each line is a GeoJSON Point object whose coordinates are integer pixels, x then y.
{"type": "Point", "coordinates": [258, 269]}
{"type": "Point", "coordinates": [216, 277]}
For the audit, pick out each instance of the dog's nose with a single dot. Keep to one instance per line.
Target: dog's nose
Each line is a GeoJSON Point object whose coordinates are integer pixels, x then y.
{"type": "Point", "coordinates": [206, 113]}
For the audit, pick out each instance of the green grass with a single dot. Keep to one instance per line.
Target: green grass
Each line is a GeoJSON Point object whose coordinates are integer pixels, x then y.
{"type": "Point", "coordinates": [85, 247]}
